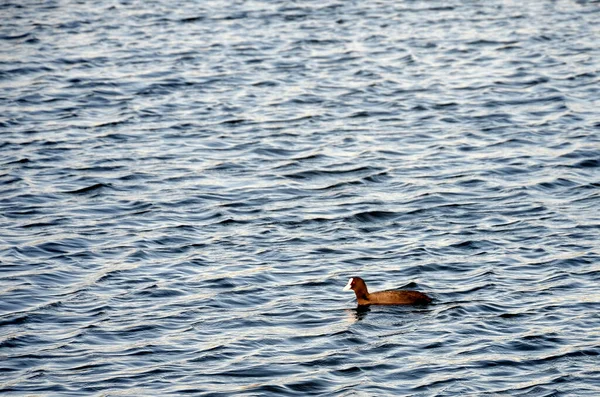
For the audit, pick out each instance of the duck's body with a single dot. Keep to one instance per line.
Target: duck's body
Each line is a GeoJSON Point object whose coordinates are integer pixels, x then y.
{"type": "Point", "coordinates": [363, 296]}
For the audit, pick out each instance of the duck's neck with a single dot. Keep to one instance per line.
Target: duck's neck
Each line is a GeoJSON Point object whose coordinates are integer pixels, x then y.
{"type": "Point", "coordinates": [362, 294]}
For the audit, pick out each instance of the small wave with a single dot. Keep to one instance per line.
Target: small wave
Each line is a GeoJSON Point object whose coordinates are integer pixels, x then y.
{"type": "Point", "coordinates": [90, 189]}
{"type": "Point", "coordinates": [373, 216]}
{"type": "Point", "coordinates": [308, 175]}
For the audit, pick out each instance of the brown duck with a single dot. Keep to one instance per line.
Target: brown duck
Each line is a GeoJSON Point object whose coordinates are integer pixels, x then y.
{"type": "Point", "coordinates": [391, 297]}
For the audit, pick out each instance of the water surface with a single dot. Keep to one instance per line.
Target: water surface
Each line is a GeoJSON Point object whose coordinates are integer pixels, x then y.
{"type": "Point", "coordinates": [185, 188]}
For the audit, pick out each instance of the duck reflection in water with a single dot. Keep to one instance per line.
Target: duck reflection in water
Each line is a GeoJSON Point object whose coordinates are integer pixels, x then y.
{"type": "Point", "coordinates": [359, 313]}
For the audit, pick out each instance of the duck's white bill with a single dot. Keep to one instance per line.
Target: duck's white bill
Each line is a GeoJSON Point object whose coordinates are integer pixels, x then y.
{"type": "Point", "coordinates": [348, 286]}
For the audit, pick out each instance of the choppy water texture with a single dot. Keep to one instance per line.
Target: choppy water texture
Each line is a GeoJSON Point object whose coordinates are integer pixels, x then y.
{"type": "Point", "coordinates": [187, 186]}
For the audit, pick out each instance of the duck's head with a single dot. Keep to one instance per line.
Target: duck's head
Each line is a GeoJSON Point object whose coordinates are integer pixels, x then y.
{"type": "Point", "coordinates": [356, 284]}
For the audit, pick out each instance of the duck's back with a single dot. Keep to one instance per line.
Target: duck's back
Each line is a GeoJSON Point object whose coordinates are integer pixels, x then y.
{"type": "Point", "coordinates": [398, 298]}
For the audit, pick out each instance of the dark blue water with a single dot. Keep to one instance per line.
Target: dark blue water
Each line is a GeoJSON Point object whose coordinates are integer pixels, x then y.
{"type": "Point", "coordinates": [185, 188]}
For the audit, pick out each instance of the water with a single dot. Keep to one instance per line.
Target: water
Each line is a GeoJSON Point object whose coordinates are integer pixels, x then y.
{"type": "Point", "coordinates": [187, 186]}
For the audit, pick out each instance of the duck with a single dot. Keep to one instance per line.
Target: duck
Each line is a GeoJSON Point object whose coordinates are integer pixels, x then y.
{"type": "Point", "coordinates": [389, 297]}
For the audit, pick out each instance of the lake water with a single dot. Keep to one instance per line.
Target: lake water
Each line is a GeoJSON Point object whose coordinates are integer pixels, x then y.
{"type": "Point", "coordinates": [186, 187]}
